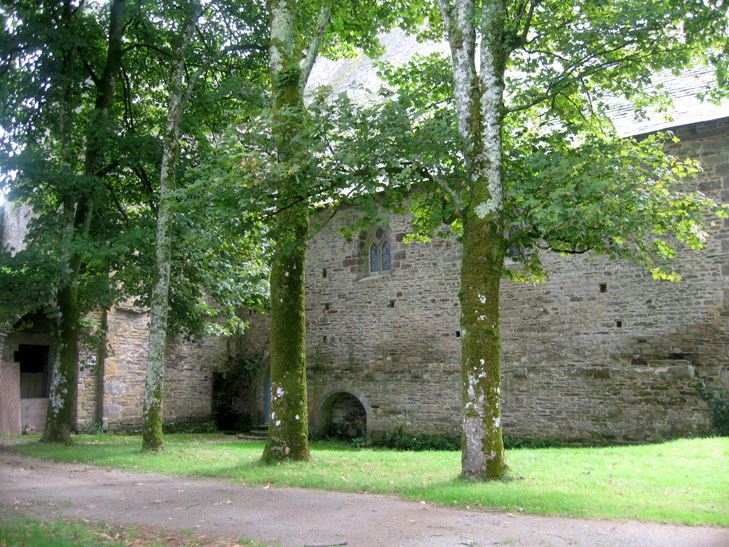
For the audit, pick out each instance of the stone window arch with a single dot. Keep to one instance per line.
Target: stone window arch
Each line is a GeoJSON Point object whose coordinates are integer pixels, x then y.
{"type": "Point", "coordinates": [375, 251]}
{"type": "Point", "coordinates": [379, 252]}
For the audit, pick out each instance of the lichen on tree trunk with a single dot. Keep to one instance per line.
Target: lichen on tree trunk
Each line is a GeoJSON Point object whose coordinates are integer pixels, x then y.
{"type": "Point", "coordinates": [482, 446]}
{"type": "Point", "coordinates": [479, 97]}
{"type": "Point", "coordinates": [64, 371]}
{"type": "Point", "coordinates": [152, 435]}
{"type": "Point", "coordinates": [288, 421]}
{"type": "Point", "coordinates": [78, 208]}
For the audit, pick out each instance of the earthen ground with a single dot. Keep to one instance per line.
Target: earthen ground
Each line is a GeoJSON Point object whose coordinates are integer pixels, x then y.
{"type": "Point", "coordinates": [208, 509]}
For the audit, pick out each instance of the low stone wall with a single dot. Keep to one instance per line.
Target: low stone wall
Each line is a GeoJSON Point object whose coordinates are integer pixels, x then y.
{"type": "Point", "coordinates": [188, 374]}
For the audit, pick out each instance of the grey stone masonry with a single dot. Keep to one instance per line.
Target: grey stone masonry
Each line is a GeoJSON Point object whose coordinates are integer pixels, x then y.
{"type": "Point", "coordinates": [188, 373]}
{"type": "Point", "coordinates": [600, 352]}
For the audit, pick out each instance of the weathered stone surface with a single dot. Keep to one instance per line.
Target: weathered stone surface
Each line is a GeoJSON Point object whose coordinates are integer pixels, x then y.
{"type": "Point", "coordinates": [188, 375]}
{"type": "Point", "coordinates": [10, 423]}
{"type": "Point", "coordinates": [600, 352]}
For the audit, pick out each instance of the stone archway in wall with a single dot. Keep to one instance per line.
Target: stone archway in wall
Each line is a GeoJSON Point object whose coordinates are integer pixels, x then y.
{"type": "Point", "coordinates": [342, 415]}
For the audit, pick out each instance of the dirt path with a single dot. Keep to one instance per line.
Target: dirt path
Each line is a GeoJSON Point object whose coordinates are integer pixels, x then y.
{"type": "Point", "coordinates": [290, 516]}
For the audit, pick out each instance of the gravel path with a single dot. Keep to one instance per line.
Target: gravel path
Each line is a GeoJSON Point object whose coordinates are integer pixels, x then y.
{"type": "Point", "coordinates": [298, 517]}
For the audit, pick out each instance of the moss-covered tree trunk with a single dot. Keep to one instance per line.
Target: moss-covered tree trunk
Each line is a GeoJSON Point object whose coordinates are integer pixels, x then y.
{"type": "Point", "coordinates": [152, 437]}
{"type": "Point", "coordinates": [288, 435]}
{"type": "Point", "coordinates": [479, 104]}
{"type": "Point", "coordinates": [482, 446]}
{"type": "Point", "coordinates": [288, 421]}
{"type": "Point", "coordinates": [78, 207]}
{"type": "Point", "coordinates": [64, 369]}
{"type": "Point", "coordinates": [59, 421]}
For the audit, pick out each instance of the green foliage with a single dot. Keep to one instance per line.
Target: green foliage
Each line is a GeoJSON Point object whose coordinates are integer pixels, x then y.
{"type": "Point", "coordinates": [618, 197]}
{"type": "Point", "coordinates": [241, 369]}
{"type": "Point", "coordinates": [572, 187]}
{"type": "Point", "coordinates": [399, 439]}
{"type": "Point", "coordinates": [718, 401]}
{"type": "Point", "coordinates": [511, 443]}
{"type": "Point", "coordinates": [96, 428]}
{"type": "Point", "coordinates": [117, 253]}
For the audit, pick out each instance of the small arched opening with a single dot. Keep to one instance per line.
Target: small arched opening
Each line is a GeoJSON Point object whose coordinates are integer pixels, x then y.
{"type": "Point", "coordinates": [343, 416]}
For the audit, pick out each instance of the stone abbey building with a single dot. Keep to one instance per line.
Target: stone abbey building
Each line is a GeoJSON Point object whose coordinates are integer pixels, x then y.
{"type": "Point", "coordinates": [600, 352]}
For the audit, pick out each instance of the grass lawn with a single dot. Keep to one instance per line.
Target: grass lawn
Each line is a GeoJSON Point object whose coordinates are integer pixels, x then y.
{"type": "Point", "coordinates": [84, 533]}
{"type": "Point", "coordinates": [684, 481]}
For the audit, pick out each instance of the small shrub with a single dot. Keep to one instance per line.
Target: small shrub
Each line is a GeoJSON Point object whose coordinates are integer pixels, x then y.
{"type": "Point", "coordinates": [95, 429]}
{"type": "Point", "coordinates": [359, 442]}
{"type": "Point", "coordinates": [399, 439]}
{"type": "Point", "coordinates": [188, 427]}
{"type": "Point", "coordinates": [718, 401]}
{"type": "Point", "coordinates": [510, 443]}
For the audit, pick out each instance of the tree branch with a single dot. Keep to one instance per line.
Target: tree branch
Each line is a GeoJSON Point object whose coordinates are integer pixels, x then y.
{"type": "Point", "coordinates": [128, 118]}
{"type": "Point", "coordinates": [443, 186]}
{"type": "Point", "coordinates": [312, 52]}
{"type": "Point", "coordinates": [528, 22]}
{"type": "Point", "coordinates": [92, 74]}
{"type": "Point", "coordinates": [569, 77]}
{"type": "Point", "coordinates": [148, 46]}
{"type": "Point", "coordinates": [144, 179]}
{"type": "Point", "coordinates": [117, 202]}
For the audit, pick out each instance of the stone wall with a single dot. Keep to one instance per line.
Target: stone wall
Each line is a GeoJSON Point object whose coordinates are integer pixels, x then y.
{"type": "Point", "coordinates": [600, 352]}
{"type": "Point", "coordinates": [110, 389]}
{"type": "Point", "coordinates": [188, 375]}
{"type": "Point", "coordinates": [603, 351]}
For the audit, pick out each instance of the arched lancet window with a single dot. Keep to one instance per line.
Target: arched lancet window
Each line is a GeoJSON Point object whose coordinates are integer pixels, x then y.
{"type": "Point", "coordinates": [379, 252]}
{"type": "Point", "coordinates": [374, 258]}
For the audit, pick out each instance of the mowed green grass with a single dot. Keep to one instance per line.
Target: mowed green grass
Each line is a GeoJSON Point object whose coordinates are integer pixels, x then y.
{"type": "Point", "coordinates": [84, 533]}
{"type": "Point", "coordinates": [39, 533]}
{"type": "Point", "coordinates": [684, 481]}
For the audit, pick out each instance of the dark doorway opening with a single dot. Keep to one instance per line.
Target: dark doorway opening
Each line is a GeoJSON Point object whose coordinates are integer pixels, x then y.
{"type": "Point", "coordinates": [34, 377]}
{"type": "Point", "coordinates": [231, 403]}
{"type": "Point", "coordinates": [344, 417]}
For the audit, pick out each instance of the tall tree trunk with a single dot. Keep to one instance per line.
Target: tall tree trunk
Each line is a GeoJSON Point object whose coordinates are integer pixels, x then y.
{"type": "Point", "coordinates": [483, 256]}
{"type": "Point", "coordinates": [479, 105]}
{"type": "Point", "coordinates": [482, 446]}
{"type": "Point", "coordinates": [64, 373]}
{"type": "Point", "coordinates": [288, 435]}
{"type": "Point", "coordinates": [152, 437]}
{"type": "Point", "coordinates": [59, 416]}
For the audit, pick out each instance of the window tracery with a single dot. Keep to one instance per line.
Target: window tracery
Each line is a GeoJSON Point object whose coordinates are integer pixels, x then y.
{"type": "Point", "coordinates": [379, 252]}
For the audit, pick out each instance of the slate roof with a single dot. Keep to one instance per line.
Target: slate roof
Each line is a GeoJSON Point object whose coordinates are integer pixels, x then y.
{"type": "Point", "coordinates": [358, 77]}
